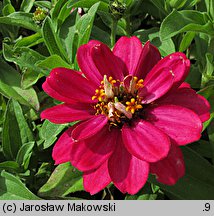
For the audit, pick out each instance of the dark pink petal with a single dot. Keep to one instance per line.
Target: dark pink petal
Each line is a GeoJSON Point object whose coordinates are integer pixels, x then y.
{"type": "Point", "coordinates": [86, 62]}
{"type": "Point", "coordinates": [178, 64]}
{"type": "Point", "coordinates": [107, 63]}
{"type": "Point", "coordinates": [69, 84]}
{"type": "Point", "coordinates": [148, 59]}
{"type": "Point", "coordinates": [62, 148]}
{"type": "Point", "coordinates": [96, 180]}
{"type": "Point", "coordinates": [128, 173]}
{"type": "Point", "coordinates": [170, 169]}
{"type": "Point", "coordinates": [156, 84]}
{"type": "Point", "coordinates": [55, 94]}
{"type": "Point", "coordinates": [184, 85]}
{"type": "Point", "coordinates": [145, 141]}
{"type": "Point", "coordinates": [94, 151]}
{"type": "Point", "coordinates": [188, 98]}
{"type": "Point", "coordinates": [182, 125]}
{"type": "Point", "coordinates": [65, 113]}
{"type": "Point", "coordinates": [128, 50]}
{"type": "Point", "coordinates": [89, 128]}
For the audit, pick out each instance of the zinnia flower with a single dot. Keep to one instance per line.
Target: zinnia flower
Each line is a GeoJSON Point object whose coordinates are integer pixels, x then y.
{"type": "Point", "coordinates": [134, 112]}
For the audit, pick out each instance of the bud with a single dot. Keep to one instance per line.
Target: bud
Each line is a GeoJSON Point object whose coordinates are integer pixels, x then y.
{"type": "Point", "coordinates": [117, 8]}
{"type": "Point", "coordinates": [39, 15]}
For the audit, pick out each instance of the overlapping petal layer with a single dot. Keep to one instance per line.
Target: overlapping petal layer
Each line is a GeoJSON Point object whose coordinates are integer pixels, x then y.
{"type": "Point", "coordinates": [170, 169]}
{"type": "Point", "coordinates": [65, 113]}
{"type": "Point", "coordinates": [92, 152]}
{"type": "Point", "coordinates": [127, 172]}
{"type": "Point", "coordinates": [145, 141]}
{"type": "Point", "coordinates": [182, 125]}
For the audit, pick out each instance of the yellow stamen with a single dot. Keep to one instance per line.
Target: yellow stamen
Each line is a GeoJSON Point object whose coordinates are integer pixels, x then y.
{"type": "Point", "coordinates": [133, 105]}
{"type": "Point", "coordinates": [99, 95]}
{"type": "Point", "coordinates": [139, 84]}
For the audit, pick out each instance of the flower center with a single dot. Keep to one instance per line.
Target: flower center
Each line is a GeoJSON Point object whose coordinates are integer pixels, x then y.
{"type": "Point", "coordinates": [118, 100]}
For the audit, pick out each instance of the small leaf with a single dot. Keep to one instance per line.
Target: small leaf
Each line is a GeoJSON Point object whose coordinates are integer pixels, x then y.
{"type": "Point", "coordinates": [52, 39]}
{"type": "Point", "coordinates": [166, 47]}
{"type": "Point", "coordinates": [11, 188]}
{"type": "Point", "coordinates": [183, 21]}
{"type": "Point", "coordinates": [186, 41]}
{"type": "Point", "coordinates": [20, 19]}
{"type": "Point", "coordinates": [23, 56]}
{"type": "Point", "coordinates": [16, 131]}
{"type": "Point", "coordinates": [49, 132]}
{"type": "Point", "coordinates": [52, 62]}
{"type": "Point", "coordinates": [10, 86]}
{"type": "Point", "coordinates": [30, 41]}
{"type": "Point", "coordinates": [64, 180]}
{"type": "Point", "coordinates": [24, 154]}
{"type": "Point", "coordinates": [10, 166]}
{"type": "Point", "coordinates": [26, 5]}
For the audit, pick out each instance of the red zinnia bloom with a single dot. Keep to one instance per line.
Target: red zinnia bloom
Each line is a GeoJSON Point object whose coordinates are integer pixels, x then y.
{"type": "Point", "coordinates": [135, 112]}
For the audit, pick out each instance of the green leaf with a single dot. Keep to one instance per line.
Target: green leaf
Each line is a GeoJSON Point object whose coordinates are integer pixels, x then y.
{"type": "Point", "coordinates": [11, 188]}
{"type": "Point", "coordinates": [10, 86]}
{"type": "Point", "coordinates": [11, 166]}
{"type": "Point", "coordinates": [43, 4]}
{"type": "Point", "coordinates": [145, 193]}
{"type": "Point", "coordinates": [20, 19]}
{"type": "Point", "coordinates": [88, 3]}
{"type": "Point", "coordinates": [84, 25]}
{"type": "Point", "coordinates": [100, 35]}
{"type": "Point", "coordinates": [30, 41]}
{"type": "Point", "coordinates": [194, 185]}
{"type": "Point", "coordinates": [186, 41]}
{"type": "Point", "coordinates": [64, 180]}
{"type": "Point", "coordinates": [16, 131]}
{"type": "Point", "coordinates": [26, 5]}
{"type": "Point", "coordinates": [24, 154]}
{"type": "Point", "coordinates": [23, 56]}
{"type": "Point", "coordinates": [29, 78]}
{"type": "Point", "coordinates": [53, 61]}
{"type": "Point", "coordinates": [194, 77]}
{"type": "Point", "coordinates": [52, 39]}
{"type": "Point", "coordinates": [49, 132]}
{"type": "Point", "coordinates": [57, 8]}
{"type": "Point", "coordinates": [8, 9]}
{"type": "Point", "coordinates": [184, 21]}
{"type": "Point", "coordinates": [166, 47]}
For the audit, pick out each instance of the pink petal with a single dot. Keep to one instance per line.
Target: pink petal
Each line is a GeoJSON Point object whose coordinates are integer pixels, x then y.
{"type": "Point", "coordinates": [148, 59]}
{"type": "Point", "coordinates": [86, 62]}
{"type": "Point", "coordinates": [128, 50]}
{"type": "Point", "coordinates": [94, 151]}
{"type": "Point", "coordinates": [156, 84]}
{"type": "Point", "coordinates": [188, 98]}
{"type": "Point", "coordinates": [182, 125]}
{"type": "Point", "coordinates": [145, 141]}
{"type": "Point", "coordinates": [65, 113]}
{"type": "Point", "coordinates": [96, 180]}
{"type": "Point", "coordinates": [55, 94]}
{"type": "Point", "coordinates": [61, 150]}
{"type": "Point", "coordinates": [66, 83]}
{"type": "Point", "coordinates": [178, 64]}
{"type": "Point", "coordinates": [89, 128]}
{"type": "Point", "coordinates": [184, 85]}
{"type": "Point", "coordinates": [107, 63]}
{"type": "Point", "coordinates": [128, 173]}
{"type": "Point", "coordinates": [170, 169]}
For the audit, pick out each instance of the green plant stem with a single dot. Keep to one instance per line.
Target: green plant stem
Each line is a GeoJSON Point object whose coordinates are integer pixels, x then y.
{"type": "Point", "coordinates": [113, 31]}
